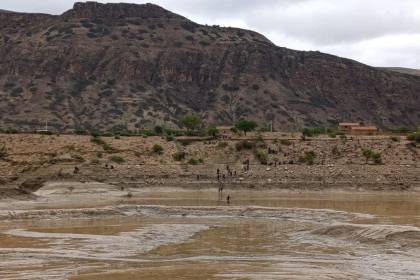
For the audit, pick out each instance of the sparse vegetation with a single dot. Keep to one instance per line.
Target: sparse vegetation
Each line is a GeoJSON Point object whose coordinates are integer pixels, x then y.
{"type": "Point", "coordinates": [179, 156]}
{"type": "Point", "coordinates": [414, 137]}
{"type": "Point", "coordinates": [157, 149]}
{"type": "Point", "coordinates": [192, 161]}
{"type": "Point", "coordinates": [98, 141]}
{"type": "Point", "coordinates": [308, 158]}
{"type": "Point", "coordinates": [222, 145]}
{"type": "Point", "coordinates": [261, 156]}
{"type": "Point", "coordinates": [158, 130]}
{"type": "Point", "coordinates": [117, 159]}
{"type": "Point", "coordinates": [3, 152]}
{"type": "Point", "coordinates": [191, 122]}
{"type": "Point", "coordinates": [185, 142]}
{"type": "Point", "coordinates": [212, 131]}
{"type": "Point", "coordinates": [244, 145]}
{"type": "Point", "coordinates": [371, 155]}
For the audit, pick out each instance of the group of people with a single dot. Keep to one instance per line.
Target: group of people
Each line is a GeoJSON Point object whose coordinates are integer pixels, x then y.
{"type": "Point", "coordinates": [221, 177]}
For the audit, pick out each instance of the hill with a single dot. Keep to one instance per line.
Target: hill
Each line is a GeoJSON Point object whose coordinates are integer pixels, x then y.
{"type": "Point", "coordinates": [415, 72]}
{"type": "Point", "coordinates": [126, 66]}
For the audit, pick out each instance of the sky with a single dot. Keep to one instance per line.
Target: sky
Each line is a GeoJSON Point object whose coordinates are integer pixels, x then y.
{"type": "Point", "coordinates": [375, 32]}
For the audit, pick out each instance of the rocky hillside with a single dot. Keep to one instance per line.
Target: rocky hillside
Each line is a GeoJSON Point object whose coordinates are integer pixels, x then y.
{"type": "Point", "coordinates": [131, 66]}
{"type": "Point", "coordinates": [415, 72]}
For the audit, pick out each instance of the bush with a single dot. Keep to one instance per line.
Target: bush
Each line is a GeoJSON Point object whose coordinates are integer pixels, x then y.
{"type": "Point", "coordinates": [367, 153]}
{"type": "Point", "coordinates": [9, 131]}
{"type": "Point", "coordinates": [212, 131]}
{"type": "Point", "coordinates": [98, 141]}
{"type": "Point", "coordinates": [377, 158]}
{"type": "Point", "coordinates": [170, 138]}
{"type": "Point", "coordinates": [193, 161]}
{"type": "Point", "coordinates": [332, 135]}
{"type": "Point", "coordinates": [371, 155]}
{"type": "Point", "coordinates": [244, 145]}
{"type": "Point", "coordinates": [308, 158]}
{"type": "Point", "coordinates": [157, 149]}
{"type": "Point", "coordinates": [117, 159]}
{"type": "Point", "coordinates": [178, 156]}
{"type": "Point", "coordinates": [3, 152]}
{"type": "Point", "coordinates": [158, 130]}
{"type": "Point", "coordinates": [222, 145]}
{"type": "Point", "coordinates": [185, 142]}
{"type": "Point", "coordinates": [261, 156]}
{"type": "Point", "coordinates": [415, 137]}
{"type": "Point", "coordinates": [191, 122]}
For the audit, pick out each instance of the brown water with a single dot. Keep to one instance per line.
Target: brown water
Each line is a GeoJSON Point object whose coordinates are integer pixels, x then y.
{"type": "Point", "coordinates": [301, 236]}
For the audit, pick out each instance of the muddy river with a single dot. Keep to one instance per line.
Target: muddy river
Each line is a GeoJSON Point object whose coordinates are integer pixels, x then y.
{"type": "Point", "coordinates": [197, 235]}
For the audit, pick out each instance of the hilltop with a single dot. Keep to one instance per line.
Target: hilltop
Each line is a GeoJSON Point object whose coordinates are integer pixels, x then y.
{"type": "Point", "coordinates": [127, 66]}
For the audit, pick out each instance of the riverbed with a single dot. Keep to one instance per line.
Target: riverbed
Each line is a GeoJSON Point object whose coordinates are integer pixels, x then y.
{"type": "Point", "coordinates": [90, 233]}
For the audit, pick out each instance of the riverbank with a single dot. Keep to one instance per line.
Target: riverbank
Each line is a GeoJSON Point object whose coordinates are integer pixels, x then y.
{"type": "Point", "coordinates": [29, 161]}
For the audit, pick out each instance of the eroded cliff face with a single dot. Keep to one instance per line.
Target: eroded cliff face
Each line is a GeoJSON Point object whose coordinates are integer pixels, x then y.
{"type": "Point", "coordinates": [132, 66]}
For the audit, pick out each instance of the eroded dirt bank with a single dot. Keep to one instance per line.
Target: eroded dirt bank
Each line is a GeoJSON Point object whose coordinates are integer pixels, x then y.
{"type": "Point", "coordinates": [28, 161]}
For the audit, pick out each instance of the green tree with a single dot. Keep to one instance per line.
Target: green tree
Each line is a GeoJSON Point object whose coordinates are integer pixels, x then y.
{"type": "Point", "coordinates": [191, 122]}
{"type": "Point", "coordinates": [245, 126]}
{"type": "Point", "coordinates": [212, 131]}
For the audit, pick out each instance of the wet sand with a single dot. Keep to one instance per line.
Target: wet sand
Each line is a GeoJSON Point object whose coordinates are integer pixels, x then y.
{"type": "Point", "coordinates": [86, 233]}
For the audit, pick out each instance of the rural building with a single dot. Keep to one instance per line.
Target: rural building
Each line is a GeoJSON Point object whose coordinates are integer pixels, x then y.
{"type": "Point", "coordinates": [346, 127]}
{"type": "Point", "coordinates": [225, 132]}
{"type": "Point", "coordinates": [364, 130]}
{"type": "Point", "coordinates": [357, 129]}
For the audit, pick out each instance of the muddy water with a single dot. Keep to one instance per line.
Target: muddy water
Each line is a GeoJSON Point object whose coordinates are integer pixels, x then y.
{"type": "Point", "coordinates": [284, 236]}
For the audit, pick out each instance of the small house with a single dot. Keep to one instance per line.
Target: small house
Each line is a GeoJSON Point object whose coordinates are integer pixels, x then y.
{"type": "Point", "coordinates": [225, 132]}
{"type": "Point", "coordinates": [364, 130]}
{"type": "Point", "coordinates": [347, 126]}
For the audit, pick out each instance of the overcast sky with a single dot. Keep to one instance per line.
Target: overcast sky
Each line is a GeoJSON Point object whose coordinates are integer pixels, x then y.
{"type": "Point", "coordinates": [376, 32]}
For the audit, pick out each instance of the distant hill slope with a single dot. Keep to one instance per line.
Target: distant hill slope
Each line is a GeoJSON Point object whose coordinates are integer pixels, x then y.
{"type": "Point", "coordinates": [415, 72]}
{"type": "Point", "coordinates": [103, 66]}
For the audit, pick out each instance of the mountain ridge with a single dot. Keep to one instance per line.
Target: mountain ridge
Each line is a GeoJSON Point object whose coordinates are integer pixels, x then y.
{"type": "Point", "coordinates": [128, 66]}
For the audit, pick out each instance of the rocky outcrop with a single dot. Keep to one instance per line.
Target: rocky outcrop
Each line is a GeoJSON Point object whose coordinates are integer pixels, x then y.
{"type": "Point", "coordinates": [116, 10]}
{"type": "Point", "coordinates": [124, 66]}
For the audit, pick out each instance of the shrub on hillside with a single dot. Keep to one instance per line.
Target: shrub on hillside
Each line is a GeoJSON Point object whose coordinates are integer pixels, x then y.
{"type": "Point", "coordinates": [244, 145]}
{"type": "Point", "coordinates": [178, 156]}
{"type": "Point", "coordinates": [415, 137]}
{"type": "Point", "coordinates": [117, 159]}
{"type": "Point", "coordinates": [157, 149]}
{"type": "Point", "coordinates": [222, 145]}
{"type": "Point", "coordinates": [261, 156]}
{"type": "Point", "coordinates": [193, 161]}
{"type": "Point", "coordinates": [308, 158]}
{"type": "Point", "coordinates": [3, 152]}
{"type": "Point", "coordinates": [371, 155]}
